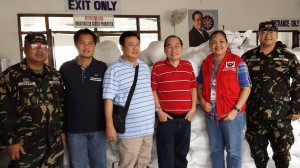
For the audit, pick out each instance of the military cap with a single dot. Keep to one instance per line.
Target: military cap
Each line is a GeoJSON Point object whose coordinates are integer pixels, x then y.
{"type": "Point", "coordinates": [267, 26]}
{"type": "Point", "coordinates": [35, 37]}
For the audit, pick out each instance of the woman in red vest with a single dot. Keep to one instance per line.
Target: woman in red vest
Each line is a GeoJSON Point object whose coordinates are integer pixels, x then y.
{"type": "Point", "coordinates": [223, 88]}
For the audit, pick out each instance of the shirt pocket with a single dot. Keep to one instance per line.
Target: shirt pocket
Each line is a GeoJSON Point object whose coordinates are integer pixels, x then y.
{"type": "Point", "coordinates": [27, 95]}
{"type": "Point", "coordinates": [281, 68]}
{"type": "Point", "coordinates": [229, 80]}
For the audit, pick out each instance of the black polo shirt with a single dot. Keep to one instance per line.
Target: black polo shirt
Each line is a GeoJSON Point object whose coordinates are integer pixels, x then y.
{"type": "Point", "coordinates": [83, 104]}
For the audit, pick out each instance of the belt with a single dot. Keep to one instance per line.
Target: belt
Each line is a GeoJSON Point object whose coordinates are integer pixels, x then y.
{"type": "Point", "coordinates": [176, 116]}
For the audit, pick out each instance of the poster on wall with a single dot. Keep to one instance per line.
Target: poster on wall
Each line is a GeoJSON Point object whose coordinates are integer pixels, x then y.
{"type": "Point", "coordinates": [112, 6]}
{"type": "Point", "coordinates": [93, 21]}
{"type": "Point", "coordinates": [201, 26]}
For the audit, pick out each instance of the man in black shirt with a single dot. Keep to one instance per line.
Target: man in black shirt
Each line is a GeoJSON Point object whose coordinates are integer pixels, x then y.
{"type": "Point", "coordinates": [83, 107]}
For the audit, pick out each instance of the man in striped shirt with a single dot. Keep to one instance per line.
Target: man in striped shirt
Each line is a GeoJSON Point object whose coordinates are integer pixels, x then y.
{"type": "Point", "coordinates": [136, 143]}
{"type": "Point", "coordinates": [174, 88]}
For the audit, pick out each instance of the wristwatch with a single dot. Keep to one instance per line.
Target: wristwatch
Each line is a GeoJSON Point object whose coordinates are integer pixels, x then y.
{"type": "Point", "coordinates": [237, 109]}
{"type": "Point", "coordinates": [157, 109]}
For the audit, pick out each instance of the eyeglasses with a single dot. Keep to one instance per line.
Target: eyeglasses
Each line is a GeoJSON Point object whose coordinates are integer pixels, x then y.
{"type": "Point", "coordinates": [35, 46]}
{"type": "Point", "coordinates": [177, 47]}
{"type": "Point", "coordinates": [267, 32]}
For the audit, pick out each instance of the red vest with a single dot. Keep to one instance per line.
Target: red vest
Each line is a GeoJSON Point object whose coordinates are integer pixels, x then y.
{"type": "Point", "coordinates": [227, 85]}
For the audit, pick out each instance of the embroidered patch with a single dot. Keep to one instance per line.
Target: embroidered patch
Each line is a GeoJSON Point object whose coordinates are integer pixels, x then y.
{"type": "Point", "coordinates": [96, 79]}
{"type": "Point", "coordinates": [229, 66]}
{"type": "Point", "coordinates": [26, 82]}
{"type": "Point", "coordinates": [283, 59]}
{"type": "Point", "coordinates": [281, 56]}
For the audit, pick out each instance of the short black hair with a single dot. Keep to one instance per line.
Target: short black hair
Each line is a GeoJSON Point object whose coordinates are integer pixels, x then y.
{"type": "Point", "coordinates": [172, 36]}
{"type": "Point", "coordinates": [218, 32]}
{"type": "Point", "coordinates": [126, 34]}
{"type": "Point", "coordinates": [196, 13]}
{"type": "Point", "coordinates": [84, 31]}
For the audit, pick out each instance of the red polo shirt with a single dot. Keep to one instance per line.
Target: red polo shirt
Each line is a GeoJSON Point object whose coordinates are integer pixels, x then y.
{"type": "Point", "coordinates": [173, 85]}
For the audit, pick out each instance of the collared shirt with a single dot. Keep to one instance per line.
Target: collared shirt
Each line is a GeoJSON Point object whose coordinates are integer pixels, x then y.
{"type": "Point", "coordinates": [30, 104]}
{"type": "Point", "coordinates": [201, 32]}
{"type": "Point", "coordinates": [173, 85]}
{"type": "Point", "coordinates": [83, 105]}
{"type": "Point", "coordinates": [117, 82]}
{"type": "Point", "coordinates": [273, 97]}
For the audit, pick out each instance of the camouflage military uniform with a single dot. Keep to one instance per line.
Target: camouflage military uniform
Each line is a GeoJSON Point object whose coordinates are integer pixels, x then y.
{"type": "Point", "coordinates": [30, 114]}
{"type": "Point", "coordinates": [271, 101]}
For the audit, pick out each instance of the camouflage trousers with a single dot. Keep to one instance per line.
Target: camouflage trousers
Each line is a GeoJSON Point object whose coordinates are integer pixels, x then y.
{"type": "Point", "coordinates": [44, 156]}
{"type": "Point", "coordinates": [280, 136]}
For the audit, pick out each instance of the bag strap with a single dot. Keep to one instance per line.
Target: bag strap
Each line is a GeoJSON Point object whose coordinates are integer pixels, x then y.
{"type": "Point", "coordinates": [131, 90]}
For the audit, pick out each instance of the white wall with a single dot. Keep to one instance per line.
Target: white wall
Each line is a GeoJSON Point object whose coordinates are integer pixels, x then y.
{"type": "Point", "coordinates": [234, 14]}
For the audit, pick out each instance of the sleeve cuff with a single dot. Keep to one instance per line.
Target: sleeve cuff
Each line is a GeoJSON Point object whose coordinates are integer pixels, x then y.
{"type": "Point", "coordinates": [12, 141]}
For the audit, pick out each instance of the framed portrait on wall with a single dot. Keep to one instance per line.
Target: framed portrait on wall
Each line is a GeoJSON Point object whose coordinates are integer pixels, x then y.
{"type": "Point", "coordinates": [201, 24]}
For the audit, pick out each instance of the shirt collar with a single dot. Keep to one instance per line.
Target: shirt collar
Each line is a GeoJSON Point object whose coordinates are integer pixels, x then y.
{"type": "Point", "coordinates": [275, 50]}
{"type": "Point", "coordinates": [91, 64]}
{"type": "Point", "coordinates": [127, 63]}
{"type": "Point", "coordinates": [24, 66]}
{"type": "Point", "coordinates": [166, 61]}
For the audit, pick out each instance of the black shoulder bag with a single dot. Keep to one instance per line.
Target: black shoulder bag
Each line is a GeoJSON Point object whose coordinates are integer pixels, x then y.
{"type": "Point", "coordinates": [120, 112]}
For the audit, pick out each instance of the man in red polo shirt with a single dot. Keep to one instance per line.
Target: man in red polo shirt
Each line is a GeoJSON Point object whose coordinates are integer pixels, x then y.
{"type": "Point", "coordinates": [174, 89]}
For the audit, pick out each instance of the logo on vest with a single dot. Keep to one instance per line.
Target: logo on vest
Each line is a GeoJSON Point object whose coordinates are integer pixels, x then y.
{"type": "Point", "coordinates": [230, 66]}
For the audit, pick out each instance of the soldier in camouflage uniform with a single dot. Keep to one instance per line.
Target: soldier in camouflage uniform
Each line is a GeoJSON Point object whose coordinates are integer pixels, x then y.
{"type": "Point", "coordinates": [30, 108]}
{"type": "Point", "coordinates": [273, 101]}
